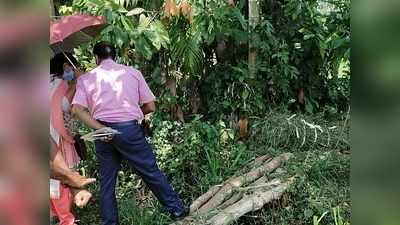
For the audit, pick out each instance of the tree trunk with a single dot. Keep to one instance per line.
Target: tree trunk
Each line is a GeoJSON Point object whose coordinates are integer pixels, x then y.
{"type": "Point", "coordinates": [194, 97]}
{"type": "Point", "coordinates": [176, 110]}
{"type": "Point", "coordinates": [170, 84]}
{"type": "Point", "coordinates": [254, 18]}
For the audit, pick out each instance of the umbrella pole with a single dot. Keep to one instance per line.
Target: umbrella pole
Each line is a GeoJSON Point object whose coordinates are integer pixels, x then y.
{"type": "Point", "coordinates": [69, 60]}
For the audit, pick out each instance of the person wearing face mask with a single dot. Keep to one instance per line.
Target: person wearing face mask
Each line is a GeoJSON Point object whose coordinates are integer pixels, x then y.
{"type": "Point", "coordinates": [62, 130]}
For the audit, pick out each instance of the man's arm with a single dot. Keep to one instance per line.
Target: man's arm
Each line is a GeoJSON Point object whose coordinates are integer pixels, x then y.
{"type": "Point", "coordinates": [81, 112]}
{"type": "Point", "coordinates": [59, 170]}
{"type": "Point", "coordinates": [148, 107]}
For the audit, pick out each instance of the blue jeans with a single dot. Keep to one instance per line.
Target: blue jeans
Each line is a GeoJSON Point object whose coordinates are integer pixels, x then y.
{"type": "Point", "coordinates": [132, 146]}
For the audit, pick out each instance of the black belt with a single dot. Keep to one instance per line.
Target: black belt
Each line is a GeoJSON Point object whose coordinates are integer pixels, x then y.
{"type": "Point", "coordinates": [130, 122]}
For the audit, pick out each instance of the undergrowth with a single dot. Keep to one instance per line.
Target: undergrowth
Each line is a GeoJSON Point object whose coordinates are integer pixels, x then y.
{"type": "Point", "coordinates": [198, 154]}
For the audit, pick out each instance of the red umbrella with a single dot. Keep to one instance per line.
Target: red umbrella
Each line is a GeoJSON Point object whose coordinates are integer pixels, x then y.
{"type": "Point", "coordinates": [69, 31]}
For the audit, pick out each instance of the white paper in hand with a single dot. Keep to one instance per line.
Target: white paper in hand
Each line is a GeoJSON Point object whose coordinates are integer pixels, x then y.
{"type": "Point", "coordinates": [100, 134]}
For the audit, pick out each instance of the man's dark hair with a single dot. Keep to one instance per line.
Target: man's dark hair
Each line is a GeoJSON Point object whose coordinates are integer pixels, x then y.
{"type": "Point", "coordinates": [57, 63]}
{"type": "Point", "coordinates": [104, 50]}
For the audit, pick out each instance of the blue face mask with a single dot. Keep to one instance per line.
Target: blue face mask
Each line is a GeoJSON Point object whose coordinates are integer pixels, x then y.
{"type": "Point", "coordinates": [68, 74]}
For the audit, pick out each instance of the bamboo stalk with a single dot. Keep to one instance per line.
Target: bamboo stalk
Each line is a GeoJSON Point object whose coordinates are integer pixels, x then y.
{"type": "Point", "coordinates": [204, 198]}
{"type": "Point", "coordinates": [236, 182]}
{"type": "Point", "coordinates": [248, 204]}
{"type": "Point", "coordinates": [213, 190]}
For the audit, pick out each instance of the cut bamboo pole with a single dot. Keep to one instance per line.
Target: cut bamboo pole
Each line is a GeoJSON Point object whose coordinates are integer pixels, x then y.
{"type": "Point", "coordinates": [213, 190]}
{"type": "Point", "coordinates": [204, 198]}
{"type": "Point", "coordinates": [236, 182]}
{"type": "Point", "coordinates": [248, 204]}
{"type": "Point", "coordinates": [235, 198]}
{"type": "Point", "coordinates": [260, 160]}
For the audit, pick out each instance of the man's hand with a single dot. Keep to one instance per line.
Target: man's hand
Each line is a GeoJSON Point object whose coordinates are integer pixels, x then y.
{"type": "Point", "coordinates": [106, 130]}
{"type": "Point", "coordinates": [74, 179]}
{"type": "Point", "coordinates": [81, 112]}
{"type": "Point", "coordinates": [59, 170]}
{"type": "Point", "coordinates": [81, 197]}
{"type": "Point", "coordinates": [148, 107]}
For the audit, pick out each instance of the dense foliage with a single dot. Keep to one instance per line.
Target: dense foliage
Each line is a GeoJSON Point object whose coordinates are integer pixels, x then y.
{"type": "Point", "coordinates": [195, 53]}
{"type": "Point", "coordinates": [211, 70]}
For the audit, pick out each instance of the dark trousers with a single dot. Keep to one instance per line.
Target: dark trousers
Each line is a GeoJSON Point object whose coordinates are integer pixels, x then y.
{"type": "Point", "coordinates": [132, 146]}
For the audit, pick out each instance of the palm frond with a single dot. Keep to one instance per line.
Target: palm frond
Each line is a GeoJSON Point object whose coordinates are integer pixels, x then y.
{"type": "Point", "coordinates": [187, 53]}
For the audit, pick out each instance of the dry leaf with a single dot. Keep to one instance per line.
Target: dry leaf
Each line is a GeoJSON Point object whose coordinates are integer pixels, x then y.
{"type": "Point", "coordinates": [185, 8]}
{"type": "Point", "coordinates": [243, 127]}
{"type": "Point", "coordinates": [170, 8]}
{"type": "Point", "coordinates": [300, 96]}
{"type": "Point", "coordinates": [173, 10]}
{"type": "Point", "coordinates": [167, 6]}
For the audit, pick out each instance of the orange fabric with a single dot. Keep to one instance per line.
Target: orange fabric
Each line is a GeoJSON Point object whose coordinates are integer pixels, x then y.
{"type": "Point", "coordinates": [61, 207]}
{"type": "Point", "coordinates": [56, 114]}
{"type": "Point", "coordinates": [66, 142]}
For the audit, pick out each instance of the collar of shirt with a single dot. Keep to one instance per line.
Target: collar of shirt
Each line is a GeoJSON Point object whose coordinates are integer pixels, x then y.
{"type": "Point", "coordinates": [107, 61]}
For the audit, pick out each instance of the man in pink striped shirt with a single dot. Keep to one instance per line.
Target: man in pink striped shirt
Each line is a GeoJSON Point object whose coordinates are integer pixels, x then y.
{"type": "Point", "coordinates": [117, 96]}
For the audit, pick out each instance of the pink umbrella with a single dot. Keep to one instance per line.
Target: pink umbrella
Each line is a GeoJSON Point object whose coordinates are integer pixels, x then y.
{"type": "Point", "coordinates": [69, 31]}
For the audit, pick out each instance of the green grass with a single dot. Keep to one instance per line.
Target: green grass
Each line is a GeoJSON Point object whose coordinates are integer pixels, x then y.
{"type": "Point", "coordinates": [130, 213]}
{"type": "Point", "coordinates": [195, 157]}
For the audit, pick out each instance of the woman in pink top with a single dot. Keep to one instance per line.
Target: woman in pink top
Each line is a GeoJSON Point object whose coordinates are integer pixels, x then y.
{"type": "Point", "coordinates": [62, 126]}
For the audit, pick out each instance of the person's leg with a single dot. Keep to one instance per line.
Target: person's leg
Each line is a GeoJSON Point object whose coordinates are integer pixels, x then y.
{"type": "Point", "coordinates": [132, 145]}
{"type": "Point", "coordinates": [109, 164]}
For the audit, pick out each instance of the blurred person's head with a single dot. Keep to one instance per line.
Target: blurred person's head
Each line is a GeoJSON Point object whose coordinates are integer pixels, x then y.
{"type": "Point", "coordinates": [102, 51]}
{"type": "Point", "coordinates": [61, 67]}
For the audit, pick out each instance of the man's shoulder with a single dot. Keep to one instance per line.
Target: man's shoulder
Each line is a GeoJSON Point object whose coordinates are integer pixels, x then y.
{"type": "Point", "coordinates": [88, 75]}
{"type": "Point", "coordinates": [131, 70]}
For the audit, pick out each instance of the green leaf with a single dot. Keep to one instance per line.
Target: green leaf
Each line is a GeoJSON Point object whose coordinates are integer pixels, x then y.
{"type": "Point", "coordinates": [109, 15]}
{"type": "Point", "coordinates": [161, 32]}
{"type": "Point", "coordinates": [308, 36]}
{"type": "Point", "coordinates": [96, 2]}
{"type": "Point", "coordinates": [125, 23]}
{"type": "Point", "coordinates": [143, 47]}
{"type": "Point", "coordinates": [241, 19]}
{"type": "Point", "coordinates": [120, 37]}
{"type": "Point", "coordinates": [135, 11]}
{"type": "Point", "coordinates": [245, 94]}
{"type": "Point", "coordinates": [108, 29]}
{"type": "Point", "coordinates": [309, 107]}
{"type": "Point", "coordinates": [143, 21]}
{"type": "Point", "coordinates": [154, 39]}
{"type": "Point", "coordinates": [338, 42]}
{"type": "Point", "coordinates": [308, 213]}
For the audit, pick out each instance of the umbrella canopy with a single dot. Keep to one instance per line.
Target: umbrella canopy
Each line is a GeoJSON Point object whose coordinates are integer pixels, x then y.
{"type": "Point", "coordinates": [69, 31]}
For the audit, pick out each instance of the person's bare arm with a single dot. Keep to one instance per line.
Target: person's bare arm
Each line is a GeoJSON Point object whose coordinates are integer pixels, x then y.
{"type": "Point", "coordinates": [71, 91]}
{"type": "Point", "coordinates": [60, 171]}
{"type": "Point", "coordinates": [81, 112]}
{"type": "Point", "coordinates": [148, 107]}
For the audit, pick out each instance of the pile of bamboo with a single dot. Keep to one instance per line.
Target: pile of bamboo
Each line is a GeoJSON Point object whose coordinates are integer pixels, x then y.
{"type": "Point", "coordinates": [225, 203]}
